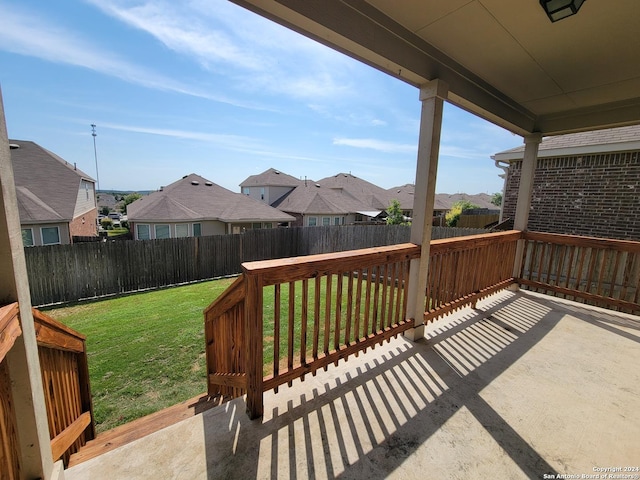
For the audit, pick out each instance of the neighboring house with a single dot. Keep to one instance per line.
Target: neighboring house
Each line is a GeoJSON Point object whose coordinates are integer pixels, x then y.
{"type": "Point", "coordinates": [585, 184]}
{"type": "Point", "coordinates": [194, 206]}
{"type": "Point", "coordinates": [340, 199]}
{"type": "Point", "coordinates": [269, 186]}
{"type": "Point", "coordinates": [56, 201]}
{"type": "Point", "coordinates": [443, 201]}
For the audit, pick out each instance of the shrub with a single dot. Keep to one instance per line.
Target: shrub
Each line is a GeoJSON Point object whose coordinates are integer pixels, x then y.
{"type": "Point", "coordinates": [106, 223]}
{"type": "Point", "coordinates": [457, 209]}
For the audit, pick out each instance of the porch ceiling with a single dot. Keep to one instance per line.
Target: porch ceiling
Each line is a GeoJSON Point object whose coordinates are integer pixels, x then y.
{"type": "Point", "coordinates": [503, 60]}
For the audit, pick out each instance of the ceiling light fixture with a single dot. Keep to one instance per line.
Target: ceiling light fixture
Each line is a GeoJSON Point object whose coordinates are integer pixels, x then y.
{"type": "Point", "coordinates": [559, 9]}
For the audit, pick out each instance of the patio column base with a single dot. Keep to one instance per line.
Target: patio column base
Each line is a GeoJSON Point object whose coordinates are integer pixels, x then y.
{"type": "Point", "coordinates": [514, 287]}
{"type": "Point", "coordinates": [415, 333]}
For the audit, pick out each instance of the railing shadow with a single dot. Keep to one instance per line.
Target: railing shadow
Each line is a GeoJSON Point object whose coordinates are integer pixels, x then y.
{"type": "Point", "coordinates": [367, 424]}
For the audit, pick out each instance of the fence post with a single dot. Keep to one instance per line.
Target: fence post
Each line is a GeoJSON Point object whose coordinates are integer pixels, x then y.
{"type": "Point", "coordinates": [254, 344]}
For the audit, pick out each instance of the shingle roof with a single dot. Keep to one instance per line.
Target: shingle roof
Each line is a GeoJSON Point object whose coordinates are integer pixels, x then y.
{"type": "Point", "coordinates": [443, 201]}
{"type": "Point", "coordinates": [610, 139]}
{"type": "Point", "coordinates": [339, 194]}
{"type": "Point", "coordinates": [196, 198]}
{"type": "Point", "coordinates": [373, 196]}
{"type": "Point", "coordinates": [46, 185]}
{"type": "Point", "coordinates": [271, 178]}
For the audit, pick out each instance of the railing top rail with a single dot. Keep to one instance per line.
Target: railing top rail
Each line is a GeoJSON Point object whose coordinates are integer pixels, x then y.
{"type": "Point", "coordinates": [53, 334]}
{"type": "Point", "coordinates": [297, 268]}
{"type": "Point", "coordinates": [7, 313]}
{"type": "Point", "coordinates": [580, 241]}
{"type": "Point", "coordinates": [233, 294]}
{"type": "Point", "coordinates": [472, 241]}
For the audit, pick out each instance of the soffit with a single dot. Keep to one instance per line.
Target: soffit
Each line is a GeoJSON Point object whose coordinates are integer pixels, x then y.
{"type": "Point", "coordinates": [503, 59]}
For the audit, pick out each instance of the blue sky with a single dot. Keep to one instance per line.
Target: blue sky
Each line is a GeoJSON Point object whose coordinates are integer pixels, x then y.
{"type": "Point", "coordinates": [207, 87]}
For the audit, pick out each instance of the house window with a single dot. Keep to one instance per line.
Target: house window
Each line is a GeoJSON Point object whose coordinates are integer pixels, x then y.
{"type": "Point", "coordinates": [197, 229]}
{"type": "Point", "coordinates": [261, 193]}
{"type": "Point", "coordinates": [182, 230]}
{"type": "Point", "coordinates": [256, 226]}
{"type": "Point", "coordinates": [143, 232]}
{"type": "Point", "coordinates": [50, 235]}
{"type": "Point", "coordinates": [162, 231]}
{"type": "Point", "coordinates": [326, 221]}
{"type": "Point", "coordinates": [27, 237]}
{"type": "Point", "coordinates": [268, 225]}
{"type": "Point", "coordinates": [313, 221]}
{"type": "Point", "coordinates": [336, 220]}
{"type": "Point", "coordinates": [246, 190]}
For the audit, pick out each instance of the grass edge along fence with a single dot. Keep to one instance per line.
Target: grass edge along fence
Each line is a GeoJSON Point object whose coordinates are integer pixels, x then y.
{"type": "Point", "coordinates": [69, 273]}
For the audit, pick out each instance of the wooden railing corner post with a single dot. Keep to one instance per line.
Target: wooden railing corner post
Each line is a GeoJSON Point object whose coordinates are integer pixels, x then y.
{"type": "Point", "coordinates": [254, 345]}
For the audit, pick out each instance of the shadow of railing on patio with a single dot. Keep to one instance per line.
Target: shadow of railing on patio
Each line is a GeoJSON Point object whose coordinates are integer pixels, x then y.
{"type": "Point", "coordinates": [368, 423]}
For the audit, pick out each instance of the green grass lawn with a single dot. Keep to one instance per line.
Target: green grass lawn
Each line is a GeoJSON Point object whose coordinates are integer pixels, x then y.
{"type": "Point", "coordinates": [145, 351]}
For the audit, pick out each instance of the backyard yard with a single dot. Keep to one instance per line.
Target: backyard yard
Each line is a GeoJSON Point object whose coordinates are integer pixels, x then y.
{"type": "Point", "coordinates": [146, 351]}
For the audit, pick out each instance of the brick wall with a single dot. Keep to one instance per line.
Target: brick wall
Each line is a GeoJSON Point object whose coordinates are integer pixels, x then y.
{"type": "Point", "coordinates": [85, 225]}
{"type": "Point", "coordinates": [592, 195]}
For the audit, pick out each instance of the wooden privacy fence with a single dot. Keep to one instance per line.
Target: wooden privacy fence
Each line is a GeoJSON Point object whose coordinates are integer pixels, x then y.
{"type": "Point", "coordinates": [68, 273]}
{"type": "Point", "coordinates": [65, 381]}
{"type": "Point", "coordinates": [287, 318]}
{"type": "Point", "coordinates": [465, 270]}
{"type": "Point", "coordinates": [590, 270]}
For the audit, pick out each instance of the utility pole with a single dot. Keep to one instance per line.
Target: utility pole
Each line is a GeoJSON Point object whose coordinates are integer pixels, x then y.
{"type": "Point", "coordinates": [95, 155]}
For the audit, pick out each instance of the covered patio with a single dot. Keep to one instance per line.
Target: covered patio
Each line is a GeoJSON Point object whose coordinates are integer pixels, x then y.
{"type": "Point", "coordinates": [523, 386]}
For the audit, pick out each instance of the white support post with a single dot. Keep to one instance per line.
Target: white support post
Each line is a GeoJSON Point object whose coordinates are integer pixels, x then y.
{"type": "Point", "coordinates": [22, 360]}
{"type": "Point", "coordinates": [432, 96]}
{"type": "Point", "coordinates": [525, 191]}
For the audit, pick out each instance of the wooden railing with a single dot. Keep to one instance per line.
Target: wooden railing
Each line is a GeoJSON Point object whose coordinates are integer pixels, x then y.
{"type": "Point", "coordinates": [591, 270]}
{"type": "Point", "coordinates": [65, 378]}
{"type": "Point", "coordinates": [287, 318]}
{"type": "Point", "coordinates": [225, 339]}
{"type": "Point", "coordinates": [9, 456]}
{"type": "Point", "coordinates": [465, 270]}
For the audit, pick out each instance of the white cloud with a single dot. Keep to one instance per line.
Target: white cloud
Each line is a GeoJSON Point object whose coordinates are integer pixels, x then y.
{"type": "Point", "coordinates": [373, 144]}
{"type": "Point", "coordinates": [26, 34]}
{"type": "Point", "coordinates": [254, 52]}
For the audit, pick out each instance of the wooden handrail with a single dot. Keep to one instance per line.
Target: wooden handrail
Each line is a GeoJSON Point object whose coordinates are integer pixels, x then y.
{"type": "Point", "coordinates": [595, 270]}
{"type": "Point", "coordinates": [53, 334]}
{"type": "Point", "coordinates": [447, 245]}
{"type": "Point", "coordinates": [233, 295]}
{"type": "Point", "coordinates": [61, 442]}
{"type": "Point", "coordinates": [580, 241]}
{"type": "Point", "coordinates": [9, 327]}
{"type": "Point", "coordinates": [298, 268]}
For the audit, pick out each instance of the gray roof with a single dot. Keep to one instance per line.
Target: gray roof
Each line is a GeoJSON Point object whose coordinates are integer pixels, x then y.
{"type": "Point", "coordinates": [597, 141]}
{"type": "Point", "coordinates": [338, 194]}
{"type": "Point", "coordinates": [443, 201]}
{"type": "Point", "coordinates": [194, 198]}
{"type": "Point", "coordinates": [46, 185]}
{"type": "Point", "coordinates": [271, 178]}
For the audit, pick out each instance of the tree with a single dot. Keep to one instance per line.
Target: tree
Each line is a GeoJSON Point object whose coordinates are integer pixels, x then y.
{"type": "Point", "coordinates": [457, 208]}
{"type": "Point", "coordinates": [496, 199]}
{"type": "Point", "coordinates": [394, 214]}
{"type": "Point", "coordinates": [130, 198]}
{"type": "Point", "coordinates": [104, 210]}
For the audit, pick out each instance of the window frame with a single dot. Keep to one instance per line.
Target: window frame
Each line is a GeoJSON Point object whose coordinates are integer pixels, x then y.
{"type": "Point", "coordinates": [42, 229]}
{"type": "Point", "coordinates": [182, 225]}
{"type": "Point", "coordinates": [199, 229]}
{"type": "Point", "coordinates": [315, 221]}
{"type": "Point", "coordinates": [155, 230]}
{"type": "Point", "coordinates": [138, 225]}
{"type": "Point", "coordinates": [30, 230]}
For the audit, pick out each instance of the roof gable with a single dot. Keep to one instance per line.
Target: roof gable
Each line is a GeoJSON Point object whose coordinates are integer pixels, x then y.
{"type": "Point", "coordinates": [271, 178]}
{"type": "Point", "coordinates": [195, 198]}
{"type": "Point", "coordinates": [46, 185]}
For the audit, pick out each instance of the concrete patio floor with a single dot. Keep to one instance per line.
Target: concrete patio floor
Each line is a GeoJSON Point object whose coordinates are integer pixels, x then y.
{"type": "Point", "coordinates": [526, 385]}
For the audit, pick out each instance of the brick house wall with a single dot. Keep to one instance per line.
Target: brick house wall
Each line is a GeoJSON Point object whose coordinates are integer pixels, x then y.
{"type": "Point", "coordinates": [84, 225]}
{"type": "Point", "coordinates": [593, 195]}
